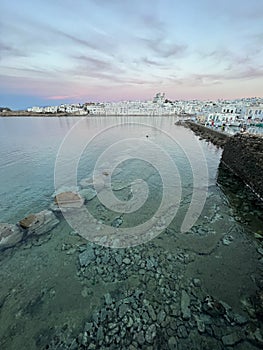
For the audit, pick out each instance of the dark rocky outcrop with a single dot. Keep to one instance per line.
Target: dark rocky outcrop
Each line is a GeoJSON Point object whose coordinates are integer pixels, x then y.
{"type": "Point", "coordinates": [243, 154]}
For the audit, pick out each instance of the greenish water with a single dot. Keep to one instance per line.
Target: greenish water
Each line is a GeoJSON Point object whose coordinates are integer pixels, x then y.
{"type": "Point", "coordinates": [152, 296]}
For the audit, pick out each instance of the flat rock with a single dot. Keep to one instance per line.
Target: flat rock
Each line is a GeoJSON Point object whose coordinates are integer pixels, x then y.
{"type": "Point", "coordinates": [86, 257]}
{"type": "Point", "coordinates": [40, 223]}
{"type": "Point", "coordinates": [10, 235]}
{"type": "Point", "coordinates": [69, 200]}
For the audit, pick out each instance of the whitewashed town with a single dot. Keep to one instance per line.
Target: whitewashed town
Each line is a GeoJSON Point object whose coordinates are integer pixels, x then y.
{"type": "Point", "coordinates": [231, 112]}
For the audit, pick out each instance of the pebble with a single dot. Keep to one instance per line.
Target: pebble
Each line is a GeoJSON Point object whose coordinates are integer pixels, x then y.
{"type": "Point", "coordinates": [127, 261]}
{"type": "Point", "coordinates": [140, 338]}
{"type": "Point", "coordinates": [172, 344]}
{"type": "Point", "coordinates": [200, 324]}
{"type": "Point", "coordinates": [85, 292]}
{"type": "Point", "coordinates": [151, 312]}
{"type": "Point", "coordinates": [130, 322]}
{"type": "Point", "coordinates": [86, 257]}
{"type": "Point", "coordinates": [118, 259]}
{"type": "Point", "coordinates": [117, 222]}
{"type": "Point", "coordinates": [150, 333]}
{"type": "Point", "coordinates": [103, 315]}
{"type": "Point", "coordinates": [100, 334]}
{"type": "Point", "coordinates": [108, 299]}
{"type": "Point", "coordinates": [71, 251]}
{"type": "Point", "coordinates": [197, 282]}
{"type": "Point", "coordinates": [182, 332]}
{"type": "Point", "coordinates": [185, 305]}
{"type": "Point", "coordinates": [231, 339]}
{"type": "Point", "coordinates": [88, 326]}
{"type": "Point", "coordinates": [123, 309]}
{"type": "Point", "coordinates": [161, 316]}
{"type": "Point", "coordinates": [227, 240]}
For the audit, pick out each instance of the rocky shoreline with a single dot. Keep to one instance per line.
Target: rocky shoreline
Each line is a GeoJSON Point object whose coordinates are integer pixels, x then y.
{"type": "Point", "coordinates": [150, 301]}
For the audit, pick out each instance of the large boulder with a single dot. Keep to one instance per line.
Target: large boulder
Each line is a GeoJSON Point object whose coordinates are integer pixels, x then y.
{"type": "Point", "coordinates": [10, 235]}
{"type": "Point", "coordinates": [69, 200]}
{"type": "Point", "coordinates": [40, 223]}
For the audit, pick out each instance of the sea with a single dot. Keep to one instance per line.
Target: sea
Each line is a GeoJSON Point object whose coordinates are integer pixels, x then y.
{"type": "Point", "coordinates": [167, 229]}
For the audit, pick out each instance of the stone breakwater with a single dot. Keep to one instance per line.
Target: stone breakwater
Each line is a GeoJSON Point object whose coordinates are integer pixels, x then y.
{"type": "Point", "coordinates": [243, 154]}
{"type": "Point", "coordinates": [216, 137]}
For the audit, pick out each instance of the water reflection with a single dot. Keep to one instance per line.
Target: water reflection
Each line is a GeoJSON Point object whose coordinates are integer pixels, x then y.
{"type": "Point", "coordinates": [246, 206]}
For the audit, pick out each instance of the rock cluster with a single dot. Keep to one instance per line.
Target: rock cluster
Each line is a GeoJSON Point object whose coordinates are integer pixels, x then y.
{"type": "Point", "coordinates": [32, 225]}
{"type": "Point", "coordinates": [162, 311]}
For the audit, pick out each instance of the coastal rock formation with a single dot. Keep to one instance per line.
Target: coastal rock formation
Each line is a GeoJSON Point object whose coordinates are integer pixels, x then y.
{"type": "Point", "coordinates": [69, 200]}
{"type": "Point", "coordinates": [10, 235]}
{"type": "Point", "coordinates": [40, 223]}
{"type": "Point", "coordinates": [216, 137]}
{"type": "Point", "coordinates": [243, 154]}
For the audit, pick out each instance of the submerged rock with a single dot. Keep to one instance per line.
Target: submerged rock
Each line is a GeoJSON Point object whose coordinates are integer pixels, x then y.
{"type": "Point", "coordinates": [10, 235]}
{"type": "Point", "coordinates": [86, 257]}
{"type": "Point", "coordinates": [232, 338]}
{"type": "Point", "coordinates": [96, 181]}
{"type": "Point", "coordinates": [185, 305]}
{"type": "Point", "coordinates": [117, 222]}
{"type": "Point", "coordinates": [40, 223]}
{"type": "Point", "coordinates": [150, 333]}
{"type": "Point", "coordinates": [88, 193]}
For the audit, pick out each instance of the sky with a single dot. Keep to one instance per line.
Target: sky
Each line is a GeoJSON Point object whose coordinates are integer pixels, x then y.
{"type": "Point", "coordinates": [67, 51]}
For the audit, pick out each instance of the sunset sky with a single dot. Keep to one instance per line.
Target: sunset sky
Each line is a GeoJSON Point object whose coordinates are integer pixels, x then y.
{"type": "Point", "coordinates": [57, 51]}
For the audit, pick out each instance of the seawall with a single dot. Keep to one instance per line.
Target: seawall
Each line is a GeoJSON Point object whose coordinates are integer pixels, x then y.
{"type": "Point", "coordinates": [218, 138]}
{"type": "Point", "coordinates": [243, 154]}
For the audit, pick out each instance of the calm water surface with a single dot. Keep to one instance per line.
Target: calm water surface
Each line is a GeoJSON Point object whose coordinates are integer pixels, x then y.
{"type": "Point", "coordinates": [48, 300]}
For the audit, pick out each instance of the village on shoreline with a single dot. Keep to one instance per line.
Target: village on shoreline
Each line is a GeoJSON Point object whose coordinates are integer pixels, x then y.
{"type": "Point", "coordinates": [231, 112]}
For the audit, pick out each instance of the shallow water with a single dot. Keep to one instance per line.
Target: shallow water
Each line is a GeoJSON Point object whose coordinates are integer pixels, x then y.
{"type": "Point", "coordinates": [47, 297]}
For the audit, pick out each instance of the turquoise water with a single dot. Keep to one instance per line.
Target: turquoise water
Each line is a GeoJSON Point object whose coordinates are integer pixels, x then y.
{"type": "Point", "coordinates": [29, 147]}
{"type": "Point", "coordinates": [154, 295]}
